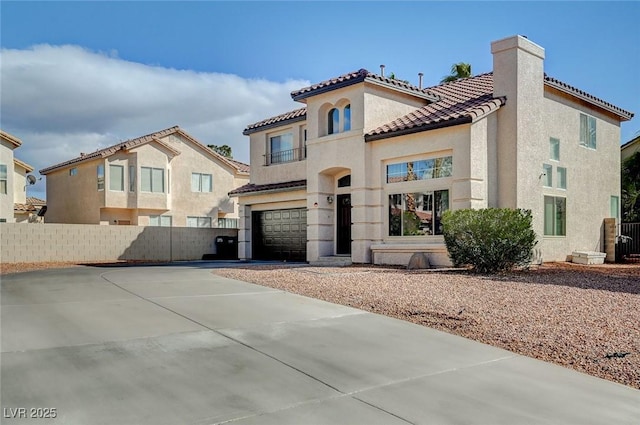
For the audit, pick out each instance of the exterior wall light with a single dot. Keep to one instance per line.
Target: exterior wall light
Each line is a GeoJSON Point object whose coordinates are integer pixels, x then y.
{"type": "Point", "coordinates": [330, 199]}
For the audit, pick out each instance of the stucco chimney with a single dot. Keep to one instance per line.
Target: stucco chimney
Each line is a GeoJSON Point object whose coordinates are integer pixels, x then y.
{"type": "Point", "coordinates": [518, 75]}
{"type": "Point", "coordinates": [382, 70]}
{"type": "Point", "coordinates": [516, 60]}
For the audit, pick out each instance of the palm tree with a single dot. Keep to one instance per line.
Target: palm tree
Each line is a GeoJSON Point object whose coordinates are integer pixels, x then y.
{"type": "Point", "coordinates": [458, 70]}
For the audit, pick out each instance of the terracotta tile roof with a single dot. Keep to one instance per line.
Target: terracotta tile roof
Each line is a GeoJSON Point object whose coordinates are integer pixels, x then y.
{"type": "Point", "coordinates": [271, 187]}
{"type": "Point", "coordinates": [153, 137]}
{"type": "Point", "coordinates": [10, 138]}
{"type": "Point", "coordinates": [24, 208]}
{"type": "Point", "coordinates": [36, 201]}
{"type": "Point", "coordinates": [358, 77]}
{"type": "Point", "coordinates": [22, 164]}
{"type": "Point", "coordinates": [291, 116]}
{"type": "Point", "coordinates": [461, 101]}
{"type": "Point", "coordinates": [241, 166]}
{"type": "Point", "coordinates": [126, 145]}
{"type": "Point", "coordinates": [564, 87]}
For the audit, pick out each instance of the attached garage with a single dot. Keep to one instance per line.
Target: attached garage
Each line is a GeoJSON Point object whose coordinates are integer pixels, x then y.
{"type": "Point", "coordinates": [280, 234]}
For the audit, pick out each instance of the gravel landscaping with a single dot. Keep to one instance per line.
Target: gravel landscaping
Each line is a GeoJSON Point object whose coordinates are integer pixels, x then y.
{"type": "Point", "coordinates": [583, 317]}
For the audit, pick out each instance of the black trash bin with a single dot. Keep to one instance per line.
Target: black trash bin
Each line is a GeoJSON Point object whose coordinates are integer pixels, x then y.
{"type": "Point", "coordinates": [227, 247]}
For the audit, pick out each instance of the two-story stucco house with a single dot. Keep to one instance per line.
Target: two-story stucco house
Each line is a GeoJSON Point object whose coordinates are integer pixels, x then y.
{"type": "Point", "coordinates": [366, 169]}
{"type": "Point", "coordinates": [166, 178]}
{"type": "Point", "coordinates": [14, 204]}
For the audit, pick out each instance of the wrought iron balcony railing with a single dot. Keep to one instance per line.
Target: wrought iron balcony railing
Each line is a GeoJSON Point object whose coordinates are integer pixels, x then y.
{"type": "Point", "coordinates": [281, 157]}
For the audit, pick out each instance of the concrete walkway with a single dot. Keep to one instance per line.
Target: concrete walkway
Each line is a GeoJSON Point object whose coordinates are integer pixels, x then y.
{"type": "Point", "coordinates": [179, 345]}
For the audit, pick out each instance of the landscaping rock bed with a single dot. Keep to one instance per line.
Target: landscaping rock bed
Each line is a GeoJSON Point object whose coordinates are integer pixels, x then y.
{"type": "Point", "coordinates": [583, 317]}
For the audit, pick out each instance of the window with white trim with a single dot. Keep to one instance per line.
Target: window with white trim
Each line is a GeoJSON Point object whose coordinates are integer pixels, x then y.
{"type": "Point", "coordinates": [100, 176]}
{"type": "Point", "coordinates": [151, 179]}
{"type": "Point", "coordinates": [132, 178]}
{"type": "Point", "coordinates": [198, 221]}
{"type": "Point", "coordinates": [201, 182]}
{"type": "Point", "coordinates": [555, 216]}
{"type": "Point", "coordinates": [554, 149]}
{"type": "Point", "coordinates": [562, 177]}
{"type": "Point", "coordinates": [116, 178]}
{"type": "Point", "coordinates": [587, 131]}
{"type": "Point", "coordinates": [547, 175]}
{"type": "Point", "coordinates": [160, 220]}
{"type": "Point", "coordinates": [3, 179]}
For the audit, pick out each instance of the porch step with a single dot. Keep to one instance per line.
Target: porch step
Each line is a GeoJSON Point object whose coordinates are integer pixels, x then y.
{"type": "Point", "coordinates": [332, 261]}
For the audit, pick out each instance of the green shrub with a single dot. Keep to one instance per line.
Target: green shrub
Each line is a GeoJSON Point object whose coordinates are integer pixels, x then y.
{"type": "Point", "coordinates": [489, 240]}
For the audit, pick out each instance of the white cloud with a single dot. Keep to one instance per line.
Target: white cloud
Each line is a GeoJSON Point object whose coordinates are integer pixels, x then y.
{"type": "Point", "coordinates": [63, 100]}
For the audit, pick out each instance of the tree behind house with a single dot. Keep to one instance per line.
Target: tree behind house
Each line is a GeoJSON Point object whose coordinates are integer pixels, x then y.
{"type": "Point", "coordinates": [224, 150]}
{"type": "Point", "coordinates": [458, 70]}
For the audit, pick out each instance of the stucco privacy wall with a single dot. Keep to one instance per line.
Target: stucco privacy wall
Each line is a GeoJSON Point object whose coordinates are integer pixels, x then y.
{"type": "Point", "coordinates": [81, 242]}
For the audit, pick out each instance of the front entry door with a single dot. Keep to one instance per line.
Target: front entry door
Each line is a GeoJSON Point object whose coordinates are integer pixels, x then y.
{"type": "Point", "coordinates": [343, 230]}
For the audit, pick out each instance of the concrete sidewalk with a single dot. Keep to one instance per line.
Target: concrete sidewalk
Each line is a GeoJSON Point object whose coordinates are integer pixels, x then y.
{"type": "Point", "coordinates": [179, 345]}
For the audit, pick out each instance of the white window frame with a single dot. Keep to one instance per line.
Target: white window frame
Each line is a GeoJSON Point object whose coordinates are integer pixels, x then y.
{"type": "Point", "coordinates": [562, 178]}
{"type": "Point", "coordinates": [100, 177]}
{"type": "Point", "coordinates": [554, 149]}
{"type": "Point", "coordinates": [4, 179]}
{"type": "Point", "coordinates": [547, 175]}
{"type": "Point", "coordinates": [200, 222]}
{"type": "Point", "coordinates": [555, 232]}
{"type": "Point", "coordinates": [151, 171]}
{"type": "Point", "coordinates": [119, 184]}
{"type": "Point", "coordinates": [132, 178]}
{"type": "Point", "coordinates": [588, 132]}
{"type": "Point", "coordinates": [160, 220]}
{"type": "Point", "coordinates": [199, 180]}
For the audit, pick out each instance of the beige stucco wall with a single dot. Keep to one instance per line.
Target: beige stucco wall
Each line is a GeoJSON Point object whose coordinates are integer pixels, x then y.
{"type": "Point", "coordinates": [6, 200]}
{"type": "Point", "coordinates": [77, 242]}
{"type": "Point", "coordinates": [276, 173]}
{"type": "Point", "coordinates": [75, 199]}
{"type": "Point", "coordinates": [19, 184]}
{"type": "Point", "coordinates": [593, 176]}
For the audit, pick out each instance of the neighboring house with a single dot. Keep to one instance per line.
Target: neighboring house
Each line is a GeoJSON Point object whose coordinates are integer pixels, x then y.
{"type": "Point", "coordinates": [368, 167]}
{"type": "Point", "coordinates": [629, 148]}
{"type": "Point", "coordinates": [13, 182]}
{"type": "Point", "coordinates": [28, 211]}
{"type": "Point", "coordinates": [166, 178]}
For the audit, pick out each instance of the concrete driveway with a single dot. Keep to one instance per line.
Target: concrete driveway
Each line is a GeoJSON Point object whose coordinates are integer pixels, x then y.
{"type": "Point", "coordinates": [179, 345]}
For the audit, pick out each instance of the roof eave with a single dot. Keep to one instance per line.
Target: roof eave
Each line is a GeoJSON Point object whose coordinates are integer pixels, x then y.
{"type": "Point", "coordinates": [328, 88]}
{"type": "Point", "coordinates": [621, 113]}
{"type": "Point", "coordinates": [247, 131]}
{"type": "Point", "coordinates": [276, 190]}
{"type": "Point", "coordinates": [421, 95]}
{"type": "Point", "coordinates": [417, 129]}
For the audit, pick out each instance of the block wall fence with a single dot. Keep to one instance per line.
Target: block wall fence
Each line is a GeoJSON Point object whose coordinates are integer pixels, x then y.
{"type": "Point", "coordinates": [21, 242]}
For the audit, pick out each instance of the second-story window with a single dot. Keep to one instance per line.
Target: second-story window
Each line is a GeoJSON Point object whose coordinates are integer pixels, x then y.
{"type": "Point", "coordinates": [347, 117]}
{"type": "Point", "coordinates": [333, 121]}
{"type": "Point", "coordinates": [3, 179]}
{"type": "Point", "coordinates": [132, 178]}
{"type": "Point", "coordinates": [281, 148]}
{"type": "Point", "coordinates": [201, 182]}
{"type": "Point", "coordinates": [587, 131]}
{"type": "Point", "coordinates": [100, 175]}
{"type": "Point", "coordinates": [116, 178]}
{"type": "Point", "coordinates": [152, 179]}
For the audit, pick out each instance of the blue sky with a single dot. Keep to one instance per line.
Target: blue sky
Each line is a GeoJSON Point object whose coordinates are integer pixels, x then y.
{"type": "Point", "coordinates": [78, 76]}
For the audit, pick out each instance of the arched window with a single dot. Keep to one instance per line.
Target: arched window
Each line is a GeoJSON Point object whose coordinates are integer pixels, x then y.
{"type": "Point", "coordinates": [333, 121]}
{"type": "Point", "coordinates": [347, 118]}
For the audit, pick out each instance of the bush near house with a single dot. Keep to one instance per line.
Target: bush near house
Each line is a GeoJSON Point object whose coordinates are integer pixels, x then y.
{"type": "Point", "coordinates": [489, 240]}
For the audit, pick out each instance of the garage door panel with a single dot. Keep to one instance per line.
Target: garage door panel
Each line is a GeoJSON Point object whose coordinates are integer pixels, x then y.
{"type": "Point", "coordinates": [280, 234]}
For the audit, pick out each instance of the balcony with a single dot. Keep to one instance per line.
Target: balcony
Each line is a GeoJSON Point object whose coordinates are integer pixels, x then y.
{"type": "Point", "coordinates": [281, 157]}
